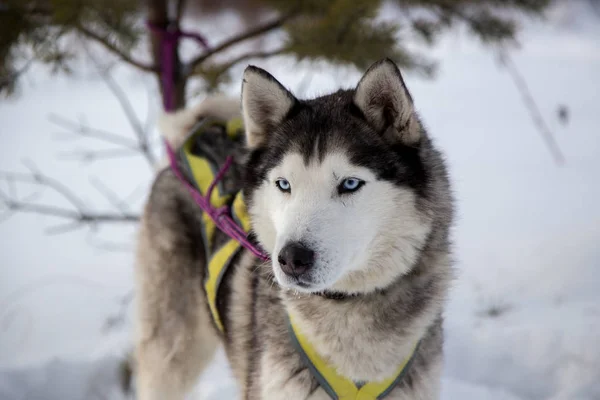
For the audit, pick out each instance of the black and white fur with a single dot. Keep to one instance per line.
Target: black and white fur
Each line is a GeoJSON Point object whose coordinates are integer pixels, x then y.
{"type": "Point", "coordinates": [373, 269]}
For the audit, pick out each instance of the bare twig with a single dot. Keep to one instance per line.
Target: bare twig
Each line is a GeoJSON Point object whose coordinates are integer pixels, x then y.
{"type": "Point", "coordinates": [41, 179]}
{"type": "Point", "coordinates": [88, 156]}
{"type": "Point", "coordinates": [519, 81]}
{"type": "Point", "coordinates": [252, 33]}
{"type": "Point", "coordinates": [118, 319]}
{"type": "Point", "coordinates": [12, 188]}
{"type": "Point", "coordinates": [135, 194]}
{"type": "Point", "coordinates": [150, 112]}
{"type": "Point", "coordinates": [111, 196]}
{"type": "Point", "coordinates": [105, 245]}
{"type": "Point", "coordinates": [105, 42]}
{"type": "Point", "coordinates": [179, 10]}
{"type": "Point", "coordinates": [134, 122]}
{"type": "Point", "coordinates": [256, 54]}
{"type": "Point", "coordinates": [84, 130]}
{"type": "Point", "coordinates": [42, 209]}
{"type": "Point", "coordinates": [74, 214]}
{"type": "Point", "coordinates": [64, 228]}
{"type": "Point", "coordinates": [31, 198]}
{"type": "Point", "coordinates": [77, 213]}
{"type": "Point", "coordinates": [82, 218]}
{"type": "Point", "coordinates": [223, 68]}
{"type": "Point", "coordinates": [125, 104]}
{"type": "Point", "coordinates": [532, 107]}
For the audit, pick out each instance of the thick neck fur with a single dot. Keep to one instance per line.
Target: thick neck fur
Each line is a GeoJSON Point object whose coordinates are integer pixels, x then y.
{"type": "Point", "coordinates": [367, 336]}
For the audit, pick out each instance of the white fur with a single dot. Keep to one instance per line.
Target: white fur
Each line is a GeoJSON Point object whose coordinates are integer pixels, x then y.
{"type": "Point", "coordinates": [176, 126]}
{"type": "Point", "coordinates": [275, 382]}
{"type": "Point", "coordinates": [362, 240]}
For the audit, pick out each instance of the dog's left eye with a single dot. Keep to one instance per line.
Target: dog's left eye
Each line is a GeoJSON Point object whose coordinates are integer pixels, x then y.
{"type": "Point", "coordinates": [350, 185]}
{"type": "Point", "coordinates": [283, 185]}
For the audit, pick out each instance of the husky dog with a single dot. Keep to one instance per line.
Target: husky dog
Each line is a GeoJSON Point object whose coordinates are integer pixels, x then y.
{"type": "Point", "coordinates": [351, 201]}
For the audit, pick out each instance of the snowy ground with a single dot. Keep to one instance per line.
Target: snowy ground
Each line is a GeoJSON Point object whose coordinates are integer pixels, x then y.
{"type": "Point", "coordinates": [524, 317]}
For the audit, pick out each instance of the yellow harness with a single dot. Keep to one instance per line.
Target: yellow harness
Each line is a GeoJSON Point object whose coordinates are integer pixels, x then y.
{"type": "Point", "coordinates": [337, 386]}
{"type": "Point", "coordinates": [202, 172]}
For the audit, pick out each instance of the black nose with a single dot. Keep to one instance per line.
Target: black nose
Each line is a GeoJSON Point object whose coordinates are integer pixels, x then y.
{"type": "Point", "coordinates": [295, 259]}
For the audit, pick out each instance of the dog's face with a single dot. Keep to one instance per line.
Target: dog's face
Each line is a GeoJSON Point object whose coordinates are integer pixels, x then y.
{"type": "Point", "coordinates": [335, 185]}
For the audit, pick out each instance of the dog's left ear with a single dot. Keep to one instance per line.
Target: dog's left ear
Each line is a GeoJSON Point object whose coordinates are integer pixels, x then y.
{"type": "Point", "coordinates": [385, 102]}
{"type": "Point", "coordinates": [265, 104]}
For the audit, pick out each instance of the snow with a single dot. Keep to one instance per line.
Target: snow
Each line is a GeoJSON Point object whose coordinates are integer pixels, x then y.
{"type": "Point", "coordinates": [523, 321]}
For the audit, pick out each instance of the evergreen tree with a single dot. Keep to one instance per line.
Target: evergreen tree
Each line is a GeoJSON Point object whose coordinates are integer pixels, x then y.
{"type": "Point", "coordinates": [344, 32]}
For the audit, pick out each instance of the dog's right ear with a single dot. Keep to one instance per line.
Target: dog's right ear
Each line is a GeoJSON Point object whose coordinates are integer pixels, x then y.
{"type": "Point", "coordinates": [265, 103]}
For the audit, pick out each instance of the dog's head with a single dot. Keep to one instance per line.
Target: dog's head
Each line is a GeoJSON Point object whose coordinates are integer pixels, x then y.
{"type": "Point", "coordinates": [336, 186]}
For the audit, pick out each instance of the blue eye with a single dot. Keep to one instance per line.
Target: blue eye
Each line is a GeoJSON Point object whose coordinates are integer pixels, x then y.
{"type": "Point", "coordinates": [350, 185]}
{"type": "Point", "coordinates": [283, 185]}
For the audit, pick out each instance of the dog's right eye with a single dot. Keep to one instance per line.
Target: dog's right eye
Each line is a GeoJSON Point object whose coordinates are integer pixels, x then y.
{"type": "Point", "coordinates": [283, 185]}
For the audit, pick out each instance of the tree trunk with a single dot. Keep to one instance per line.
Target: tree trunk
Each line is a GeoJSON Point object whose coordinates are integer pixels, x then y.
{"type": "Point", "coordinates": [158, 15]}
{"type": "Point", "coordinates": [180, 86]}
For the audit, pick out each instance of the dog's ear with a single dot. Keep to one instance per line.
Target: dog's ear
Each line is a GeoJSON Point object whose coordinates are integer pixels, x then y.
{"type": "Point", "coordinates": [385, 102]}
{"type": "Point", "coordinates": [265, 103]}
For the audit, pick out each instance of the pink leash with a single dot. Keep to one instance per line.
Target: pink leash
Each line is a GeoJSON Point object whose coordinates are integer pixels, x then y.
{"type": "Point", "coordinates": [220, 216]}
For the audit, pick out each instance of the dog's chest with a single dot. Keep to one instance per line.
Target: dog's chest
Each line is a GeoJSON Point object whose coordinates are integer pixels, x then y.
{"type": "Point", "coordinates": [274, 368]}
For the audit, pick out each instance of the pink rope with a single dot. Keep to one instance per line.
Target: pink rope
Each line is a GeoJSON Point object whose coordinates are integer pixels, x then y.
{"type": "Point", "coordinates": [220, 216]}
{"type": "Point", "coordinates": [219, 176]}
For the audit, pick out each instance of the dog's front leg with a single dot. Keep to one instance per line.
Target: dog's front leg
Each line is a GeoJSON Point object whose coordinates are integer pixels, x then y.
{"type": "Point", "coordinates": [175, 338]}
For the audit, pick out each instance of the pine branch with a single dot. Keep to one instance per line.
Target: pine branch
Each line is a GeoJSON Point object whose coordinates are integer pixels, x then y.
{"type": "Point", "coordinates": [7, 82]}
{"type": "Point", "coordinates": [252, 33]}
{"type": "Point", "coordinates": [90, 34]}
{"type": "Point", "coordinates": [243, 57]}
{"type": "Point", "coordinates": [487, 26]}
{"type": "Point", "coordinates": [257, 54]}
